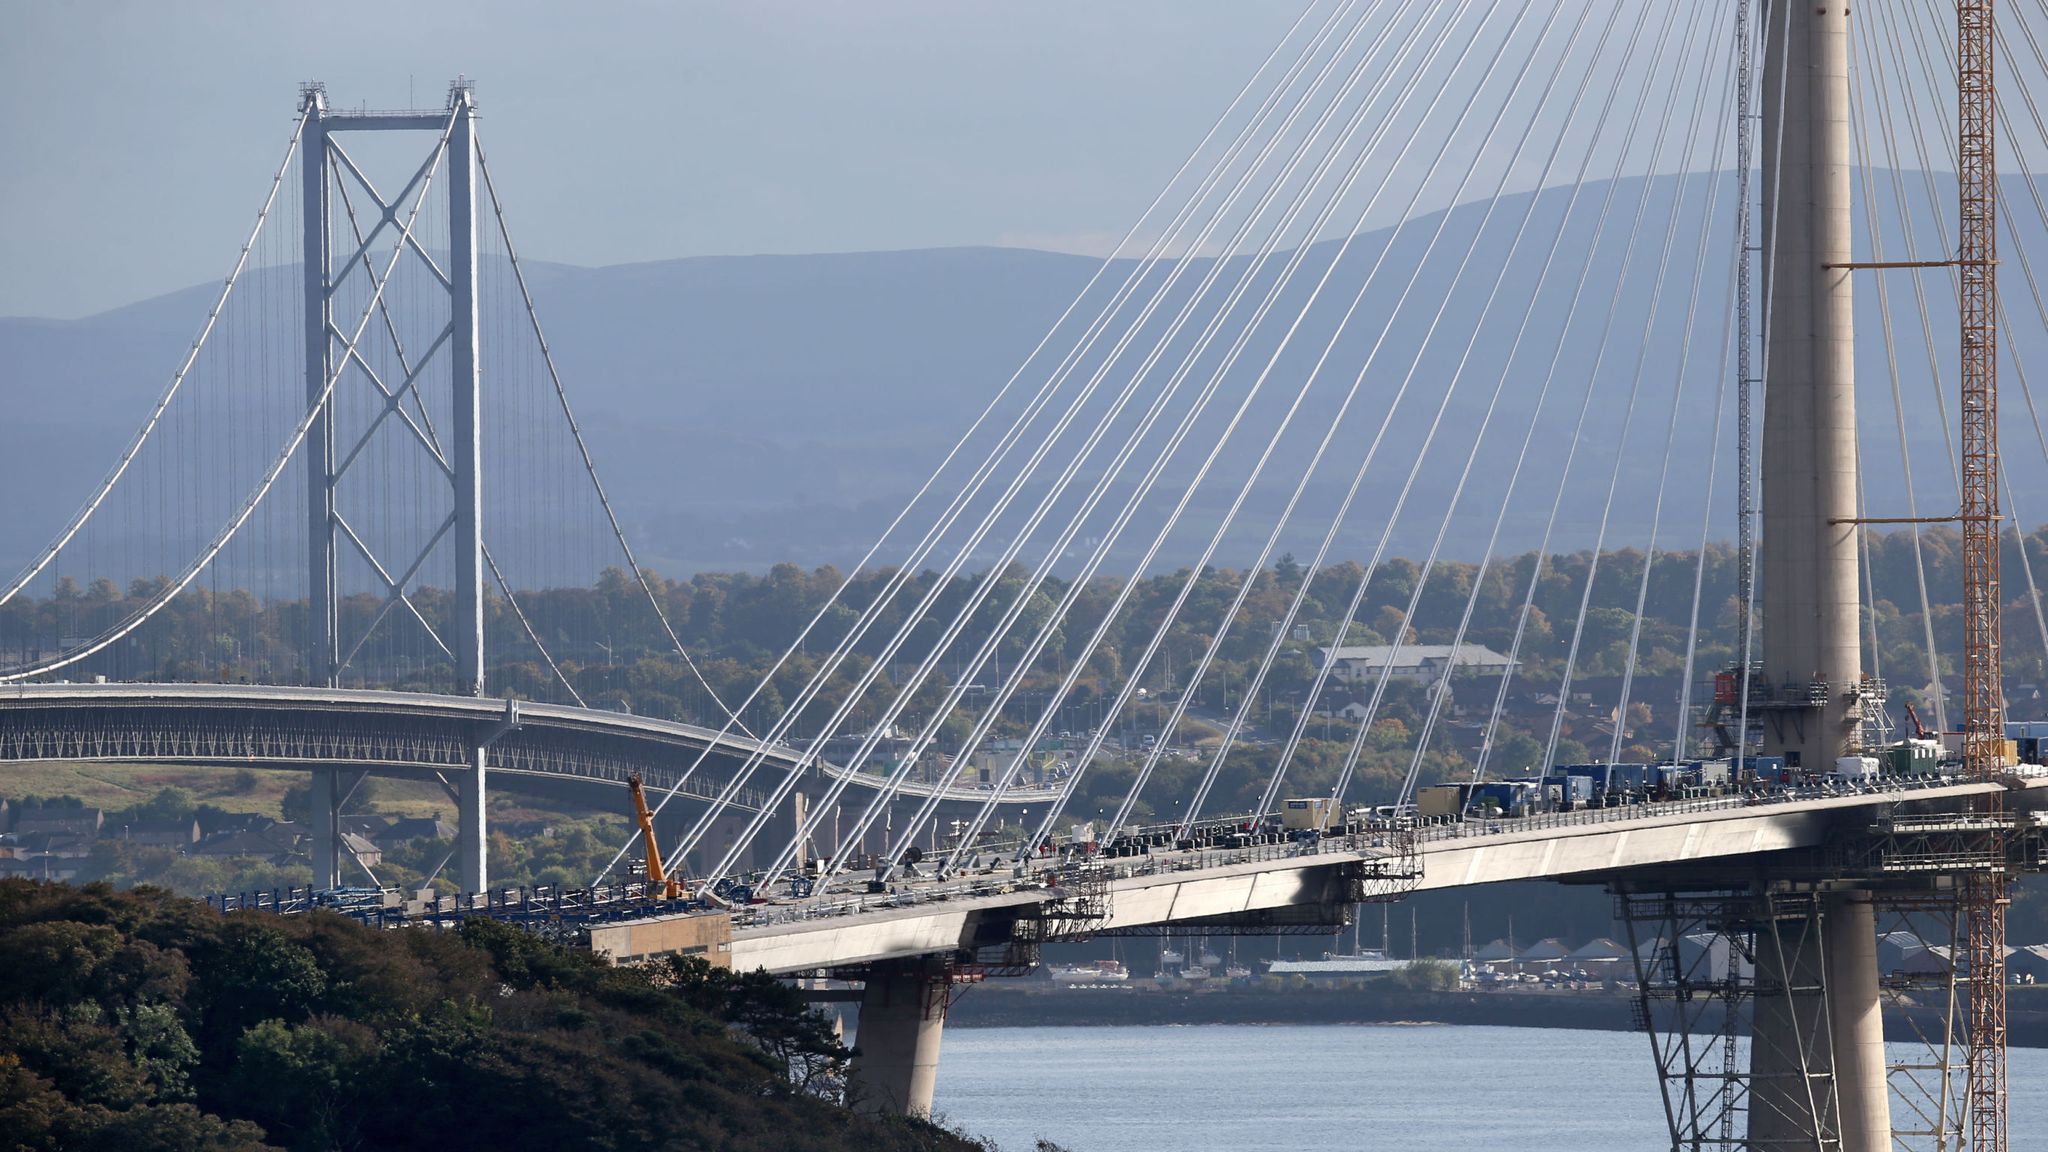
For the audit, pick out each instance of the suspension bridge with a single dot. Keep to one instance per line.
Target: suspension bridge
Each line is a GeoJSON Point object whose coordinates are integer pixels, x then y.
{"type": "Point", "coordinates": [1424, 241]}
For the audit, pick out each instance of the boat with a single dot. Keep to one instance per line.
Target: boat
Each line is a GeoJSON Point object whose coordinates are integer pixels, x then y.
{"type": "Point", "coordinates": [1092, 972]}
{"type": "Point", "coordinates": [1168, 957]}
{"type": "Point", "coordinates": [1194, 972]}
{"type": "Point", "coordinates": [1237, 972]}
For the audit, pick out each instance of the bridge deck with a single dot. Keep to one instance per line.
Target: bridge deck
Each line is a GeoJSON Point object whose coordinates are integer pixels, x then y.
{"type": "Point", "coordinates": [288, 727]}
{"type": "Point", "coordinates": [1172, 887]}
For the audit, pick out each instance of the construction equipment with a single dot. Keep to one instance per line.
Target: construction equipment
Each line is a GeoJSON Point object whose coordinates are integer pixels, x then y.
{"type": "Point", "coordinates": [660, 885]}
{"type": "Point", "coordinates": [1920, 731]}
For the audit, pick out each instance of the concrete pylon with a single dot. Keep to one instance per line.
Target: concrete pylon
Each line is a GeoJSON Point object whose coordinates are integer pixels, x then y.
{"type": "Point", "coordinates": [902, 1018]}
{"type": "Point", "coordinates": [1856, 1015]}
{"type": "Point", "coordinates": [1810, 574]}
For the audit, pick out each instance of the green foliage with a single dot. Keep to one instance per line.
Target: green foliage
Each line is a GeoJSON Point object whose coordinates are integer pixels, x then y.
{"type": "Point", "coordinates": [133, 1020]}
{"type": "Point", "coordinates": [1426, 976]}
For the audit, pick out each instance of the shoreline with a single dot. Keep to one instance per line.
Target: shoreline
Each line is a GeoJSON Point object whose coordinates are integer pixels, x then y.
{"type": "Point", "coordinates": [999, 1006]}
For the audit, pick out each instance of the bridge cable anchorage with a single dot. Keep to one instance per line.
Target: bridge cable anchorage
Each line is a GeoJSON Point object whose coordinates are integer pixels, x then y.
{"type": "Point", "coordinates": [1258, 467]}
{"type": "Point", "coordinates": [583, 449]}
{"type": "Point", "coordinates": [170, 392]}
{"type": "Point", "coordinates": [1628, 418]}
{"type": "Point", "coordinates": [900, 576]}
{"type": "Point", "coordinates": [170, 590]}
{"type": "Point", "coordinates": [1441, 691]}
{"type": "Point", "coordinates": [1045, 505]}
{"type": "Point", "coordinates": [1153, 756]}
{"type": "Point", "coordinates": [1236, 722]}
{"type": "Point", "coordinates": [1046, 715]}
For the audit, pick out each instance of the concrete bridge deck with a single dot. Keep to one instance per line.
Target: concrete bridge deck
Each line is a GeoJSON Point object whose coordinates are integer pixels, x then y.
{"type": "Point", "coordinates": [928, 918]}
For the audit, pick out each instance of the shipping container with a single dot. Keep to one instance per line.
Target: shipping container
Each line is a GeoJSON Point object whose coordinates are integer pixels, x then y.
{"type": "Point", "coordinates": [1314, 813]}
{"type": "Point", "coordinates": [1442, 800]}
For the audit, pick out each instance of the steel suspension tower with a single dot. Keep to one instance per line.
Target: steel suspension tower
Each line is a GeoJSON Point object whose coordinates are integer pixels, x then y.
{"type": "Point", "coordinates": [1984, 890]}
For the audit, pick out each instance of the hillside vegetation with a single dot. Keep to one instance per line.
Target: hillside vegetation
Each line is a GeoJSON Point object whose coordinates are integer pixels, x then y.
{"type": "Point", "coordinates": [140, 1020]}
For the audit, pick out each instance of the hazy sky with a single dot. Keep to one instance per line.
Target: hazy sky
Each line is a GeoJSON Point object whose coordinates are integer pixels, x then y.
{"type": "Point", "coordinates": [138, 137]}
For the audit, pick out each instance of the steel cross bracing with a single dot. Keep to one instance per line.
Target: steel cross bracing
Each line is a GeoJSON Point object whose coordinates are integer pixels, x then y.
{"type": "Point", "coordinates": [329, 173]}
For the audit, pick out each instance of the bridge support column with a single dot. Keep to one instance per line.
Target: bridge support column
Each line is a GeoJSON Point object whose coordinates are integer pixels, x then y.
{"type": "Point", "coordinates": [323, 813]}
{"type": "Point", "coordinates": [1791, 1050]}
{"type": "Point", "coordinates": [472, 831]}
{"type": "Point", "coordinates": [902, 1014]}
{"type": "Point", "coordinates": [1857, 1015]}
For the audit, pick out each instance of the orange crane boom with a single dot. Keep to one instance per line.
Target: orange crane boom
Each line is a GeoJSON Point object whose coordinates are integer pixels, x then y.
{"type": "Point", "coordinates": [660, 886]}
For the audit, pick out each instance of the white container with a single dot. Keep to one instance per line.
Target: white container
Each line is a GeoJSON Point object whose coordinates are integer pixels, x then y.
{"type": "Point", "coordinates": [1856, 769]}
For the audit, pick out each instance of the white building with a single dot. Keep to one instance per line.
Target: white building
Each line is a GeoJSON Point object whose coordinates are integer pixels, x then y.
{"type": "Point", "coordinates": [1422, 662]}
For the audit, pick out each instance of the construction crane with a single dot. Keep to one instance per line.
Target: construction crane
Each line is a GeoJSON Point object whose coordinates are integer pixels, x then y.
{"type": "Point", "coordinates": [660, 885]}
{"type": "Point", "coordinates": [1983, 896]}
{"type": "Point", "coordinates": [1920, 731]}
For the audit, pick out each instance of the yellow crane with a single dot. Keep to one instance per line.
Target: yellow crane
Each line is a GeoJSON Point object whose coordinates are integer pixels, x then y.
{"type": "Point", "coordinates": [660, 885]}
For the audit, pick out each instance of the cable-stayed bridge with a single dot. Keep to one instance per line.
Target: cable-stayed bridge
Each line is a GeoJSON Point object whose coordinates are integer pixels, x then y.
{"type": "Point", "coordinates": [367, 482]}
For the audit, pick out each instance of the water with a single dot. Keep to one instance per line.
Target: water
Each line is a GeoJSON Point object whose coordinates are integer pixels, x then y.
{"type": "Point", "coordinates": [1246, 1088]}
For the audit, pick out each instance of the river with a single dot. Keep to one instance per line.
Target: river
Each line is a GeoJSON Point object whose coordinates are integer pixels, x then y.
{"type": "Point", "coordinates": [1247, 1088]}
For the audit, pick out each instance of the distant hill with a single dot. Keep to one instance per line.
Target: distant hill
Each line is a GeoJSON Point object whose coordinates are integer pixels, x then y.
{"type": "Point", "coordinates": [747, 410]}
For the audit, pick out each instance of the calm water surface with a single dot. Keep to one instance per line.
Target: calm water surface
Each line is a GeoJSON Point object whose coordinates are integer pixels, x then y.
{"type": "Point", "coordinates": [1240, 1088]}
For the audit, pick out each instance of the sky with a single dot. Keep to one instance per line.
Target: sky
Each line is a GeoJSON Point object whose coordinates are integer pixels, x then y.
{"type": "Point", "coordinates": [139, 137]}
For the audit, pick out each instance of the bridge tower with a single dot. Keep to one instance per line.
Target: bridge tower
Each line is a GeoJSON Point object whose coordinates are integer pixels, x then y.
{"type": "Point", "coordinates": [1812, 655]}
{"type": "Point", "coordinates": [332, 359]}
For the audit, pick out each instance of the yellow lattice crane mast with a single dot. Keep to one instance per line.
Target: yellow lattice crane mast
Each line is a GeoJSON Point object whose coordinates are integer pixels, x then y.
{"type": "Point", "coordinates": [660, 885]}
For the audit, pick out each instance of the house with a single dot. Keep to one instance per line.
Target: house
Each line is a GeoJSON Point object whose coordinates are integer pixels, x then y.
{"type": "Point", "coordinates": [366, 853]}
{"type": "Point", "coordinates": [30, 845]}
{"type": "Point", "coordinates": [165, 833]}
{"type": "Point", "coordinates": [38, 868]}
{"type": "Point", "coordinates": [84, 822]}
{"type": "Point", "coordinates": [1353, 663]}
{"type": "Point", "coordinates": [277, 841]}
{"type": "Point", "coordinates": [369, 827]}
{"type": "Point", "coordinates": [415, 828]}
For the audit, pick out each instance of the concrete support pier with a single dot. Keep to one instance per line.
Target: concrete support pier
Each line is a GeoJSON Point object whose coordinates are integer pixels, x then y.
{"type": "Point", "coordinates": [1791, 1052]}
{"type": "Point", "coordinates": [472, 828]}
{"type": "Point", "coordinates": [323, 812]}
{"type": "Point", "coordinates": [1856, 1013]}
{"type": "Point", "coordinates": [1808, 462]}
{"type": "Point", "coordinates": [902, 1014]}
{"type": "Point", "coordinates": [1817, 1074]}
